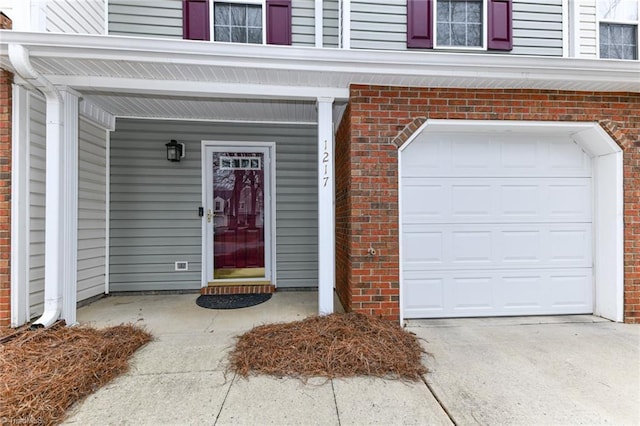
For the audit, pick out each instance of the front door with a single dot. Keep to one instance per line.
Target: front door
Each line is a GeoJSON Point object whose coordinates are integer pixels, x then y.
{"type": "Point", "coordinates": [238, 213]}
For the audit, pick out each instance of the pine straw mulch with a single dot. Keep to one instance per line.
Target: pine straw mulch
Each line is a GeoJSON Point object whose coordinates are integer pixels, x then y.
{"type": "Point", "coordinates": [43, 372]}
{"type": "Point", "coordinates": [332, 346]}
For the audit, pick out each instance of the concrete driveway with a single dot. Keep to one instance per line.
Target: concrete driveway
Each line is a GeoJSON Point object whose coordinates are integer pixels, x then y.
{"type": "Point", "coordinates": [534, 370]}
{"type": "Point", "coordinates": [552, 370]}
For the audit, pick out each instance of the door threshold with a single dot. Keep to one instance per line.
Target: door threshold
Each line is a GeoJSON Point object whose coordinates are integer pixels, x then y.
{"type": "Point", "coordinates": [227, 283]}
{"type": "Point", "coordinates": [230, 288]}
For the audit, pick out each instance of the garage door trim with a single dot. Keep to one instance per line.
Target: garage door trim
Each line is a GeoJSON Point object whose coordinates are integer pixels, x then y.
{"type": "Point", "coordinates": [608, 232]}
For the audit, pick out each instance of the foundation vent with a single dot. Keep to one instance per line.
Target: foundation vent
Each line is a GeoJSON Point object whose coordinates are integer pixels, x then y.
{"type": "Point", "coordinates": [182, 265]}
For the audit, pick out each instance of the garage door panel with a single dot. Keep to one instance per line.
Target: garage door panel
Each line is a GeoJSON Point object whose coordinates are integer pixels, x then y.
{"type": "Point", "coordinates": [496, 200]}
{"type": "Point", "coordinates": [495, 224]}
{"type": "Point", "coordinates": [491, 246]}
{"type": "Point", "coordinates": [478, 155]}
{"type": "Point", "coordinates": [526, 292]}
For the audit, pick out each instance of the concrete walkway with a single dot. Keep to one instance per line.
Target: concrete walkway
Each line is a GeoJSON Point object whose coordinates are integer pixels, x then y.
{"type": "Point", "coordinates": [567, 370]}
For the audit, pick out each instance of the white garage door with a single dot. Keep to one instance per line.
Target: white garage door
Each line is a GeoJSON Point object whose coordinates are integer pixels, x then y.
{"type": "Point", "coordinates": [495, 225]}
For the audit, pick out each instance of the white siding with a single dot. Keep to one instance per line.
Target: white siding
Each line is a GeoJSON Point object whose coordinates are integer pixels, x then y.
{"type": "Point", "coordinates": [303, 23]}
{"type": "Point", "coordinates": [537, 27]}
{"type": "Point", "coordinates": [587, 29]}
{"type": "Point", "coordinates": [91, 210]}
{"type": "Point", "coordinates": [73, 16]}
{"type": "Point", "coordinates": [146, 18]}
{"type": "Point", "coordinates": [154, 204]}
{"type": "Point", "coordinates": [331, 23]}
{"type": "Point", "coordinates": [37, 132]}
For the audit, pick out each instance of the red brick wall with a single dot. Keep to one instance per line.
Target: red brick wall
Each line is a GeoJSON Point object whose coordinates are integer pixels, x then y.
{"type": "Point", "coordinates": [381, 118]}
{"type": "Point", "coordinates": [343, 208]}
{"type": "Point", "coordinates": [6, 79]}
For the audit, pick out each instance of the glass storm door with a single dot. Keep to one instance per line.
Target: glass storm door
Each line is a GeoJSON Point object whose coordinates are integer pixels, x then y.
{"type": "Point", "coordinates": [237, 214]}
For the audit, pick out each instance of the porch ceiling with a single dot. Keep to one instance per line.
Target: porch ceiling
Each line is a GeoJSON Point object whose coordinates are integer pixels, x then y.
{"type": "Point", "coordinates": [136, 77]}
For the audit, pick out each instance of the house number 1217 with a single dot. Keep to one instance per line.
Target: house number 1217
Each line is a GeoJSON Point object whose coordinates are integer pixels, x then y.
{"type": "Point", "coordinates": [325, 161]}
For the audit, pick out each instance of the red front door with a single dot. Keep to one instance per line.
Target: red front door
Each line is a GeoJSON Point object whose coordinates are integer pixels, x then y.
{"type": "Point", "coordinates": [238, 215]}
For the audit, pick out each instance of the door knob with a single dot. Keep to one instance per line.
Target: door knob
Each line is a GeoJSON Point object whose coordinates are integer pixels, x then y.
{"type": "Point", "coordinates": [209, 215]}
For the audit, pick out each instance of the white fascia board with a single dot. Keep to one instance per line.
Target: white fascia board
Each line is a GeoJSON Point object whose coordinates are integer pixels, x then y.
{"type": "Point", "coordinates": [365, 63]}
{"type": "Point", "coordinates": [197, 88]}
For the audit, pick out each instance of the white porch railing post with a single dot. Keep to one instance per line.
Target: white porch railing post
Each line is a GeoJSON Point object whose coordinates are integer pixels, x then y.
{"type": "Point", "coordinates": [326, 211]}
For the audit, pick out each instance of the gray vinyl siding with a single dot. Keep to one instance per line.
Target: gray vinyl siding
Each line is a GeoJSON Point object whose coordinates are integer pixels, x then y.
{"type": "Point", "coordinates": [37, 130]}
{"type": "Point", "coordinates": [154, 203]}
{"type": "Point", "coordinates": [303, 26]}
{"type": "Point", "coordinates": [163, 18]}
{"type": "Point", "coordinates": [379, 24]}
{"type": "Point", "coordinates": [73, 16]}
{"type": "Point", "coordinates": [331, 23]}
{"type": "Point", "coordinates": [382, 24]}
{"type": "Point", "coordinates": [146, 18]}
{"type": "Point", "coordinates": [92, 207]}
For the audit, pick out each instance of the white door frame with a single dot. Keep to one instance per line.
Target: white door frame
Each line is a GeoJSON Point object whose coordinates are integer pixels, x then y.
{"type": "Point", "coordinates": [269, 150]}
{"type": "Point", "coordinates": [608, 198]}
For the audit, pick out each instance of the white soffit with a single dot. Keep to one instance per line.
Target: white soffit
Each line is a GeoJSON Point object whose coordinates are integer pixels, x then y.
{"type": "Point", "coordinates": [141, 106]}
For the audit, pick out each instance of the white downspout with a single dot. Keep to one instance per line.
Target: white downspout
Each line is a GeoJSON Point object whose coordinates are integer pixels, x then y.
{"type": "Point", "coordinates": [19, 57]}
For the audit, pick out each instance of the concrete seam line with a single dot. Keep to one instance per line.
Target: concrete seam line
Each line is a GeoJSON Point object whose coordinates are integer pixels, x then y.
{"type": "Point", "coordinates": [440, 403]}
{"type": "Point", "coordinates": [235, 375]}
{"type": "Point", "coordinates": [335, 402]}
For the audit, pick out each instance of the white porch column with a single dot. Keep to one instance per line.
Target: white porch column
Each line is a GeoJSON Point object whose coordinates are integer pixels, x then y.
{"type": "Point", "coordinates": [326, 210]}
{"type": "Point", "coordinates": [69, 206]}
{"type": "Point", "coordinates": [20, 207]}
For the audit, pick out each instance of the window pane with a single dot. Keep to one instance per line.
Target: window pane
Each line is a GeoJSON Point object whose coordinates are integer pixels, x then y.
{"type": "Point", "coordinates": [444, 35]}
{"type": "Point", "coordinates": [458, 12]}
{"type": "Point", "coordinates": [222, 34]}
{"type": "Point", "coordinates": [618, 41]}
{"type": "Point", "coordinates": [458, 34]}
{"type": "Point", "coordinates": [443, 11]}
{"type": "Point", "coordinates": [474, 35]}
{"type": "Point", "coordinates": [239, 15]}
{"type": "Point", "coordinates": [618, 10]}
{"type": "Point", "coordinates": [255, 35]}
{"type": "Point", "coordinates": [238, 34]}
{"type": "Point", "coordinates": [254, 16]}
{"type": "Point", "coordinates": [221, 15]}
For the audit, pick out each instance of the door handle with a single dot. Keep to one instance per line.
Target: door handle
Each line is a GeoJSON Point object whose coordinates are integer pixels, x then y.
{"type": "Point", "coordinates": [210, 215]}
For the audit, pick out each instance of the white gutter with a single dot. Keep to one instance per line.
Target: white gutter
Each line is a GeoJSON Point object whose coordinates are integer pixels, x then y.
{"type": "Point", "coordinates": [19, 57]}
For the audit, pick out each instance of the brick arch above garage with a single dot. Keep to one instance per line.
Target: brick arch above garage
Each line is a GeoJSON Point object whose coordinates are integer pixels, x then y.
{"type": "Point", "coordinates": [377, 120]}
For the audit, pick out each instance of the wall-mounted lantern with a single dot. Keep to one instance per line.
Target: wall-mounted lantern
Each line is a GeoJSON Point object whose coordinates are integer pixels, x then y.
{"type": "Point", "coordinates": [175, 150]}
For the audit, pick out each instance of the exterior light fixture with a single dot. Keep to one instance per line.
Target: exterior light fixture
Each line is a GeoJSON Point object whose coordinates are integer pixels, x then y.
{"type": "Point", "coordinates": [175, 150]}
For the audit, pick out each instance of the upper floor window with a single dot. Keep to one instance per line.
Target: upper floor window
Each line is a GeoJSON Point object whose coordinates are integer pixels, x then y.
{"type": "Point", "coordinates": [238, 21]}
{"type": "Point", "coordinates": [475, 24]}
{"type": "Point", "coordinates": [459, 23]}
{"type": "Point", "coordinates": [618, 28]}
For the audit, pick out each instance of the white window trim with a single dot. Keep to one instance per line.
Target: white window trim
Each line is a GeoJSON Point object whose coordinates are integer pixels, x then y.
{"type": "Point", "coordinates": [212, 24]}
{"type": "Point", "coordinates": [621, 22]}
{"type": "Point", "coordinates": [434, 25]}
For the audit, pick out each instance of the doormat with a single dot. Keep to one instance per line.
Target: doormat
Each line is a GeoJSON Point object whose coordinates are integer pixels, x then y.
{"type": "Point", "coordinates": [231, 301]}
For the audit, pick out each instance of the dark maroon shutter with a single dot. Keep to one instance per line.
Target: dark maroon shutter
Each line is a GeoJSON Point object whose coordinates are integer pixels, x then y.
{"type": "Point", "coordinates": [195, 19]}
{"type": "Point", "coordinates": [499, 35]}
{"type": "Point", "coordinates": [278, 21]}
{"type": "Point", "coordinates": [420, 24]}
